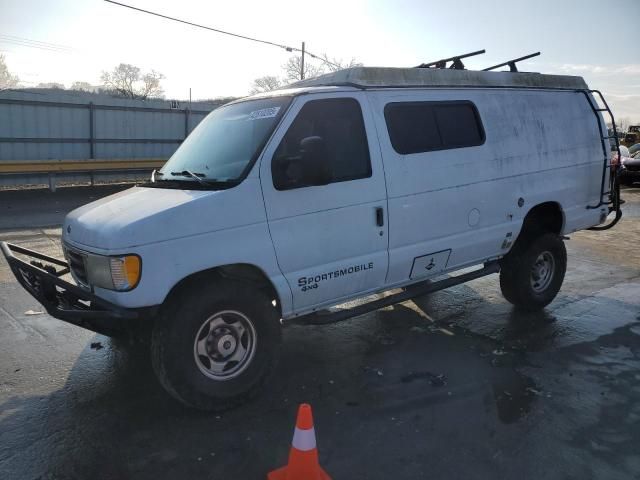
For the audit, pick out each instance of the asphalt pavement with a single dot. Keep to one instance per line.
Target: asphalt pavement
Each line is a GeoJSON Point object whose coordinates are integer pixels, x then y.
{"type": "Point", "coordinates": [453, 385]}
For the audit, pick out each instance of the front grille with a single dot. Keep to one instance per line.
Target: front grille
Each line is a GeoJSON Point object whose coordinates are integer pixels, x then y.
{"type": "Point", "coordinates": [77, 266]}
{"type": "Point", "coordinates": [633, 168]}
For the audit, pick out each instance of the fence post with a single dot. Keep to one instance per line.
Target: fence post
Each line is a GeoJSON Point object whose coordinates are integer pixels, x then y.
{"type": "Point", "coordinates": [92, 139]}
{"type": "Point", "coordinates": [91, 131]}
{"type": "Point", "coordinates": [186, 122]}
{"type": "Point", "coordinates": [52, 181]}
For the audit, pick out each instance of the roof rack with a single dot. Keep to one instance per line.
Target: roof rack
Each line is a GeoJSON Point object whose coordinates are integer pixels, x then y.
{"type": "Point", "coordinates": [512, 63]}
{"type": "Point", "coordinates": [456, 61]}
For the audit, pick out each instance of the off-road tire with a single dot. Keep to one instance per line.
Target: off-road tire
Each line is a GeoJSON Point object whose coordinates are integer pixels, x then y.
{"type": "Point", "coordinates": [180, 321]}
{"type": "Point", "coordinates": [516, 274]}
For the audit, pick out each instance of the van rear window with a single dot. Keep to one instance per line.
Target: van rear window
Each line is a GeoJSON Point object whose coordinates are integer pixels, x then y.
{"type": "Point", "coordinates": [416, 127]}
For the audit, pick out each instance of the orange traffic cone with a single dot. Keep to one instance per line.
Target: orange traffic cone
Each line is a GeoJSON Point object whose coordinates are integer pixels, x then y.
{"type": "Point", "coordinates": [303, 456]}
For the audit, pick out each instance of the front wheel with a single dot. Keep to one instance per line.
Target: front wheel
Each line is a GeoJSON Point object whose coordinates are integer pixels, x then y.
{"type": "Point", "coordinates": [213, 347]}
{"type": "Point", "coordinates": [532, 273]}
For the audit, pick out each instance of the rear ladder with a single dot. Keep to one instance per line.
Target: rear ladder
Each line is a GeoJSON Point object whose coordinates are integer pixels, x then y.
{"type": "Point", "coordinates": [610, 197]}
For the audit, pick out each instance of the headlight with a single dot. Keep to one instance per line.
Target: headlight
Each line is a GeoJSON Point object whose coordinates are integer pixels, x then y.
{"type": "Point", "coordinates": [114, 273]}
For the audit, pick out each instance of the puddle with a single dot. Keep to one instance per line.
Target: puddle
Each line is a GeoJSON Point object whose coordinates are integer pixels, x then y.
{"type": "Point", "coordinates": [514, 397]}
{"type": "Point", "coordinates": [432, 378]}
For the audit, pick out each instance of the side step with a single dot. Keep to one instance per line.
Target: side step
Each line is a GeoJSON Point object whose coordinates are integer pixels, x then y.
{"type": "Point", "coordinates": [412, 291]}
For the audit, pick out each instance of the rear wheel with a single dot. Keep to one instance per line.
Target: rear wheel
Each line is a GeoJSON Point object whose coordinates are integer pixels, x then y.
{"type": "Point", "coordinates": [532, 273]}
{"type": "Point", "coordinates": [213, 347]}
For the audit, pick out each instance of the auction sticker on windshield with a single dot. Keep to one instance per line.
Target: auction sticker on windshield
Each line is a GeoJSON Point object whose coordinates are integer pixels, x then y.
{"type": "Point", "coordinates": [264, 113]}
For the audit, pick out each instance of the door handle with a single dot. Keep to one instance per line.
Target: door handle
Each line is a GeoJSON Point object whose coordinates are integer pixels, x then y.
{"type": "Point", "coordinates": [379, 216]}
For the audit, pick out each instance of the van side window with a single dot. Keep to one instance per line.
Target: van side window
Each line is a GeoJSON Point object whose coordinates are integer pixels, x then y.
{"type": "Point", "coordinates": [343, 147]}
{"type": "Point", "coordinates": [416, 127]}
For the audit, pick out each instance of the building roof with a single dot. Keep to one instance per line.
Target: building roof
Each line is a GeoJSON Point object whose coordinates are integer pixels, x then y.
{"type": "Point", "coordinates": [384, 77]}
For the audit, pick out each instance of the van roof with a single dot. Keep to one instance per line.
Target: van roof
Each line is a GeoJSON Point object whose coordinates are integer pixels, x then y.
{"type": "Point", "coordinates": [384, 77]}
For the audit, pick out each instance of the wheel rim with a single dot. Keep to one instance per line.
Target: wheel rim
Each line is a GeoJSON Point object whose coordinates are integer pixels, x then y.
{"type": "Point", "coordinates": [542, 272]}
{"type": "Point", "coordinates": [224, 345]}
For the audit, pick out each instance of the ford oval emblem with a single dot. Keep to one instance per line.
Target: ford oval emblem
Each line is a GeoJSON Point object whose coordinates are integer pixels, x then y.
{"type": "Point", "coordinates": [68, 228]}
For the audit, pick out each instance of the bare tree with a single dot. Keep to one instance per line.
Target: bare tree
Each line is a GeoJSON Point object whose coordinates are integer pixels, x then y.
{"type": "Point", "coordinates": [127, 81]}
{"type": "Point", "coordinates": [7, 80]}
{"type": "Point", "coordinates": [83, 87]}
{"type": "Point", "coordinates": [335, 64]}
{"type": "Point", "coordinates": [293, 68]}
{"type": "Point", "coordinates": [292, 71]}
{"type": "Point", "coordinates": [51, 85]}
{"type": "Point", "coordinates": [121, 80]}
{"type": "Point", "coordinates": [151, 87]}
{"type": "Point", "coordinates": [265, 84]}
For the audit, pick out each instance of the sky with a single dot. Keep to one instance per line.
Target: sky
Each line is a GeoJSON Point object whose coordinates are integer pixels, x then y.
{"type": "Point", "coordinates": [577, 37]}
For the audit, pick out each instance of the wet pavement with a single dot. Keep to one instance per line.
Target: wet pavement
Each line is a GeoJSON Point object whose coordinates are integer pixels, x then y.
{"type": "Point", "coordinates": [455, 384]}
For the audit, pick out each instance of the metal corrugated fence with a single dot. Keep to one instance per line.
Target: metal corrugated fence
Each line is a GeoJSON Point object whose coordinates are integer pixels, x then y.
{"type": "Point", "coordinates": [37, 125]}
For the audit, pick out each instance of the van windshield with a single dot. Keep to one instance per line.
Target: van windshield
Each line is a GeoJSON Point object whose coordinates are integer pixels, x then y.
{"type": "Point", "coordinates": [225, 144]}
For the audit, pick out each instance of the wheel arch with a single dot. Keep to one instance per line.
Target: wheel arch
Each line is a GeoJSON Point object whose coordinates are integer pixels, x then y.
{"type": "Point", "coordinates": [243, 272]}
{"type": "Point", "coordinates": [546, 217]}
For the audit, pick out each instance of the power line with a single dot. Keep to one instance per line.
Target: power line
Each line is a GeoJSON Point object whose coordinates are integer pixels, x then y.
{"type": "Point", "coordinates": [217, 30]}
{"type": "Point", "coordinates": [51, 44]}
{"type": "Point", "coordinates": [36, 43]}
{"type": "Point", "coordinates": [26, 42]}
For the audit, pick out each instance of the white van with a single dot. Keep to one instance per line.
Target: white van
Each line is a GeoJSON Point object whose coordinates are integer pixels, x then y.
{"type": "Point", "coordinates": [283, 204]}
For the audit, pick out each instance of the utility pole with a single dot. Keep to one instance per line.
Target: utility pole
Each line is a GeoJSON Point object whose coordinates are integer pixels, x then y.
{"type": "Point", "coordinates": [302, 64]}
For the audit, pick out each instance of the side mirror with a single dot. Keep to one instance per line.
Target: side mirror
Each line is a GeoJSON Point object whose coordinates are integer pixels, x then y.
{"type": "Point", "coordinates": [308, 168]}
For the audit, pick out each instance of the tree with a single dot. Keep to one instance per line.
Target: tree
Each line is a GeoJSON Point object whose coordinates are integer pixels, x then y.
{"type": "Point", "coordinates": [121, 80]}
{"type": "Point", "coordinates": [126, 80]}
{"type": "Point", "coordinates": [7, 80]}
{"type": "Point", "coordinates": [334, 64]}
{"type": "Point", "coordinates": [265, 84]}
{"type": "Point", "coordinates": [151, 87]}
{"type": "Point", "coordinates": [293, 67]}
{"type": "Point", "coordinates": [51, 85]}
{"type": "Point", "coordinates": [82, 87]}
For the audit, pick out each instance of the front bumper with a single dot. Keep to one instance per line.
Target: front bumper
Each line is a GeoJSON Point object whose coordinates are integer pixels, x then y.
{"type": "Point", "coordinates": [42, 276]}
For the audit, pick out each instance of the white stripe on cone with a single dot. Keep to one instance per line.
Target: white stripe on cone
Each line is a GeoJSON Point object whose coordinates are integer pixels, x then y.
{"type": "Point", "coordinates": [304, 440]}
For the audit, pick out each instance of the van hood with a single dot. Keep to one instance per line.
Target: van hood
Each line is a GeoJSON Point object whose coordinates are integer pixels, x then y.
{"type": "Point", "coordinates": [139, 216]}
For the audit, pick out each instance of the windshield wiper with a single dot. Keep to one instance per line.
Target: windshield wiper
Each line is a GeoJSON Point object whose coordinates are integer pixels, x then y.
{"type": "Point", "coordinates": [197, 176]}
{"type": "Point", "coordinates": [204, 182]}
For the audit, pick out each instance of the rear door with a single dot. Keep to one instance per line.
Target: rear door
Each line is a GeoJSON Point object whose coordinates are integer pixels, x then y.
{"type": "Point", "coordinates": [331, 240]}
